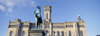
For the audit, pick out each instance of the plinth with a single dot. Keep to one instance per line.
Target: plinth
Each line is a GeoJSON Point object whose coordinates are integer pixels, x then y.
{"type": "Point", "coordinates": [36, 32]}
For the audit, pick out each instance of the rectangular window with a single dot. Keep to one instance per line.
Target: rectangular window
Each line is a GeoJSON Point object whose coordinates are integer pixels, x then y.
{"type": "Point", "coordinates": [46, 26]}
{"type": "Point", "coordinates": [80, 25]}
{"type": "Point", "coordinates": [69, 25]}
{"type": "Point", "coordinates": [13, 26]}
{"type": "Point", "coordinates": [58, 26]}
{"type": "Point", "coordinates": [24, 25]}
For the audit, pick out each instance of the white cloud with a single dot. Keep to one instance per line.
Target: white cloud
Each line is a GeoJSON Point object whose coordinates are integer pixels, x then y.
{"type": "Point", "coordinates": [11, 3]}
{"type": "Point", "coordinates": [7, 5]}
{"type": "Point", "coordinates": [2, 7]}
{"type": "Point", "coordinates": [10, 10]}
{"type": "Point", "coordinates": [9, 15]}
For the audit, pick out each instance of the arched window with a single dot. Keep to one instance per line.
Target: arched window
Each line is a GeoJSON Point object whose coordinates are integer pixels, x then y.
{"type": "Point", "coordinates": [81, 33]}
{"type": "Point", "coordinates": [47, 33]}
{"type": "Point", "coordinates": [11, 33]}
{"type": "Point", "coordinates": [23, 33]}
{"type": "Point", "coordinates": [62, 33]}
{"type": "Point", "coordinates": [54, 33]}
{"type": "Point", "coordinates": [58, 33]}
{"type": "Point", "coordinates": [47, 15]}
{"type": "Point", "coordinates": [69, 33]}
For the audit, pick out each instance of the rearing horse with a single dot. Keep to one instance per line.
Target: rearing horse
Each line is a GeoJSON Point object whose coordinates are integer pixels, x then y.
{"type": "Point", "coordinates": [37, 14]}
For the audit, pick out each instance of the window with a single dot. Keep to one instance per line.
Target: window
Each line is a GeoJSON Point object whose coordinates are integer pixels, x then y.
{"type": "Point", "coordinates": [47, 33]}
{"type": "Point", "coordinates": [81, 33]}
{"type": "Point", "coordinates": [11, 33]}
{"type": "Point", "coordinates": [69, 33]}
{"type": "Point", "coordinates": [62, 33]}
{"type": "Point", "coordinates": [69, 25]}
{"type": "Point", "coordinates": [75, 25]}
{"type": "Point", "coordinates": [46, 26]}
{"type": "Point", "coordinates": [13, 25]}
{"type": "Point", "coordinates": [23, 33]}
{"type": "Point", "coordinates": [47, 9]}
{"type": "Point", "coordinates": [19, 25]}
{"type": "Point", "coordinates": [24, 26]}
{"type": "Point", "coordinates": [58, 27]}
{"type": "Point", "coordinates": [47, 15]}
{"type": "Point", "coordinates": [80, 25]}
{"type": "Point", "coordinates": [58, 33]}
{"type": "Point", "coordinates": [54, 33]}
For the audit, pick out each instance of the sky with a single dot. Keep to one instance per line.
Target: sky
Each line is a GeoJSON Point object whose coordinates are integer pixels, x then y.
{"type": "Point", "coordinates": [62, 10]}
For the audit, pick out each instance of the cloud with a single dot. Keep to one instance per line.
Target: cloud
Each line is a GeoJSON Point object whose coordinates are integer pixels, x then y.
{"type": "Point", "coordinates": [10, 10]}
{"type": "Point", "coordinates": [2, 8]}
{"type": "Point", "coordinates": [8, 5]}
{"type": "Point", "coordinates": [9, 15]}
{"type": "Point", "coordinates": [12, 3]}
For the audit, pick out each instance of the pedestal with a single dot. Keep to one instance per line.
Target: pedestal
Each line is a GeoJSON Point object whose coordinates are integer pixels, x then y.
{"type": "Point", "coordinates": [36, 32]}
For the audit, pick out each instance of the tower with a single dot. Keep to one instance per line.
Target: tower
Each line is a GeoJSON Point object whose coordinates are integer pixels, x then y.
{"type": "Point", "coordinates": [18, 28]}
{"type": "Point", "coordinates": [47, 18]}
{"type": "Point", "coordinates": [47, 14]}
{"type": "Point", "coordinates": [81, 28]}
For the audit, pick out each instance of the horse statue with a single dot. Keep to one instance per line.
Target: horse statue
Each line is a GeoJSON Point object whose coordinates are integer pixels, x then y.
{"type": "Point", "coordinates": [37, 14]}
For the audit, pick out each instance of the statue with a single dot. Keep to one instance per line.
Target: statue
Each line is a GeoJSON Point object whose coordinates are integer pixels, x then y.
{"type": "Point", "coordinates": [37, 14]}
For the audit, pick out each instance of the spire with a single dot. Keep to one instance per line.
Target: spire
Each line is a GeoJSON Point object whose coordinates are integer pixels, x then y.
{"type": "Point", "coordinates": [79, 17]}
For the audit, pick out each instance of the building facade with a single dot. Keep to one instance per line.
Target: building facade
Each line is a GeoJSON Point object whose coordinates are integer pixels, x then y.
{"type": "Point", "coordinates": [78, 28]}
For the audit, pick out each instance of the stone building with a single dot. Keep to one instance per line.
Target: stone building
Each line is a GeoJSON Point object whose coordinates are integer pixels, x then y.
{"type": "Point", "coordinates": [19, 28]}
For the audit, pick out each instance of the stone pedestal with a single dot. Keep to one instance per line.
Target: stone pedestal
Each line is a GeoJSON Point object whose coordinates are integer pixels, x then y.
{"type": "Point", "coordinates": [36, 33]}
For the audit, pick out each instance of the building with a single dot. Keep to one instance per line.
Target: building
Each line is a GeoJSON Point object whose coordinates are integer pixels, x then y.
{"type": "Point", "coordinates": [78, 28]}
{"type": "Point", "coordinates": [98, 35]}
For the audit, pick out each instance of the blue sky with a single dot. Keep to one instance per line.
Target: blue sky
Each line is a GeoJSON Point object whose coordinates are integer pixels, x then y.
{"type": "Point", "coordinates": [62, 10]}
